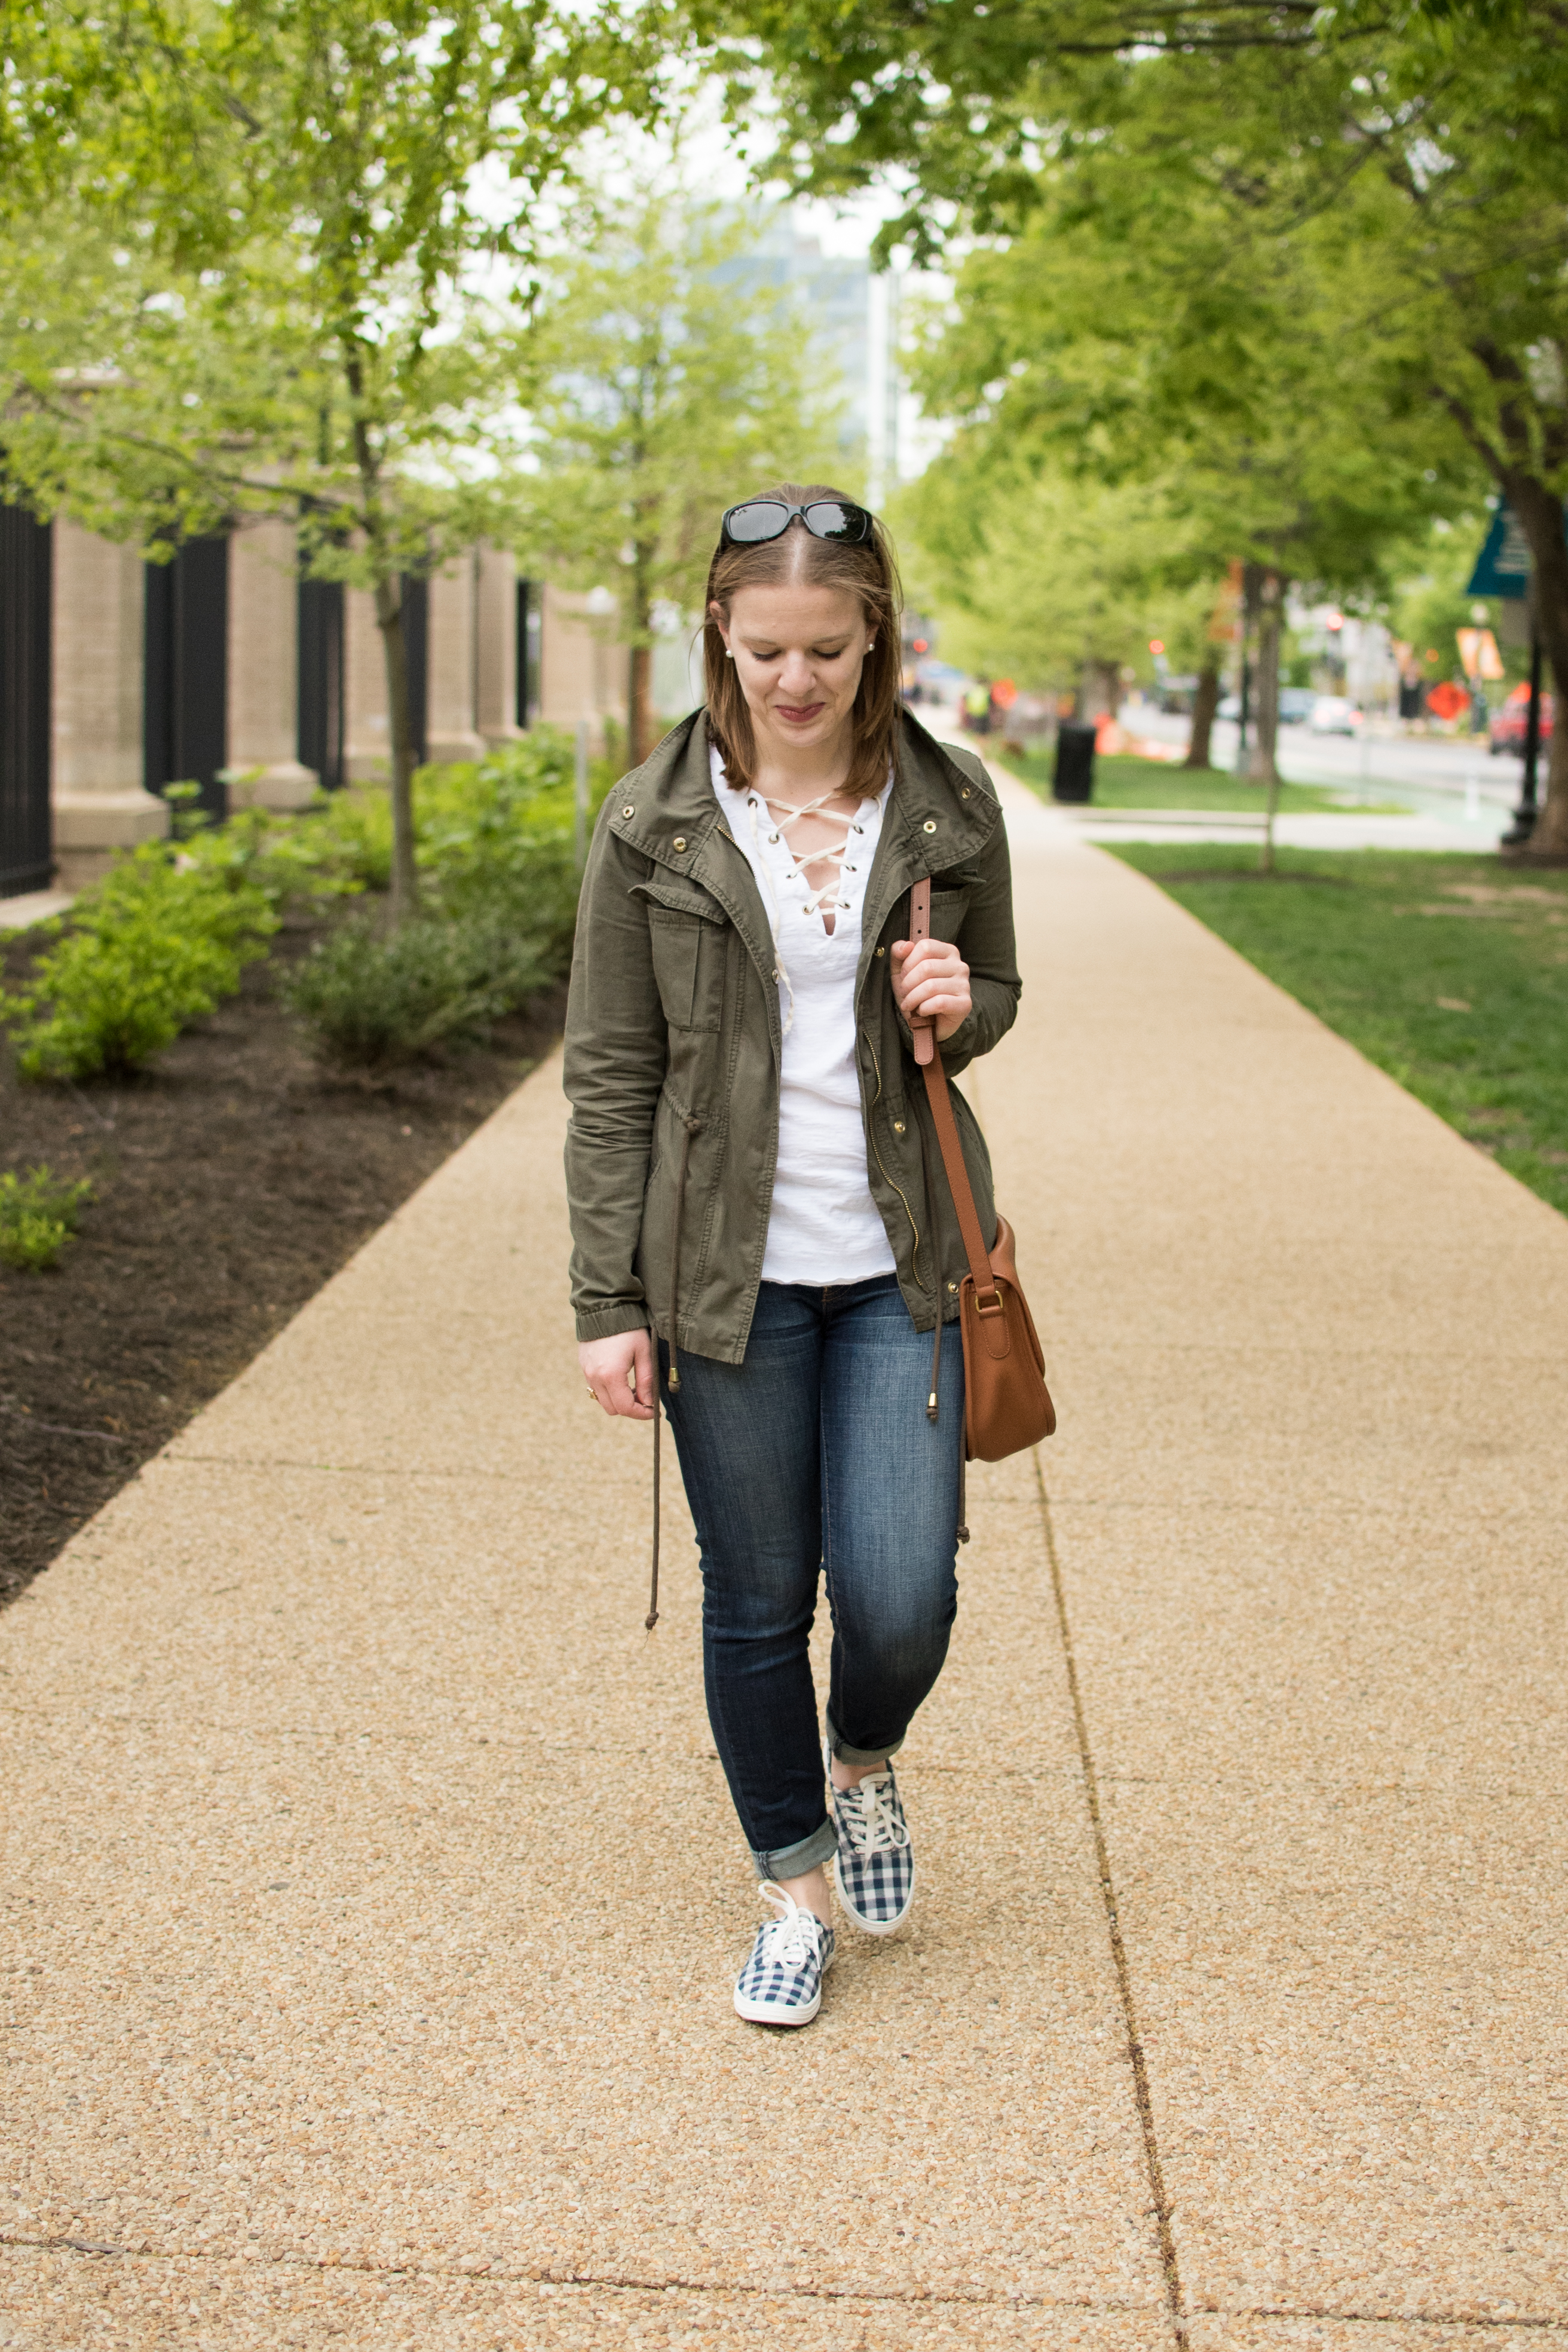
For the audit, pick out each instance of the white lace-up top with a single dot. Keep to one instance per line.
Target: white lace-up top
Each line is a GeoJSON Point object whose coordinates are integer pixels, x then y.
{"type": "Point", "coordinates": [824, 1225]}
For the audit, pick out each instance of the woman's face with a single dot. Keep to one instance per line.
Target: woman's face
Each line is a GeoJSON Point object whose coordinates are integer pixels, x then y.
{"type": "Point", "coordinates": [799, 652]}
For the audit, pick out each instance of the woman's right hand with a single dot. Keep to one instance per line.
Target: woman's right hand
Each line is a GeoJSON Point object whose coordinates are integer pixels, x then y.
{"type": "Point", "coordinates": [619, 1371]}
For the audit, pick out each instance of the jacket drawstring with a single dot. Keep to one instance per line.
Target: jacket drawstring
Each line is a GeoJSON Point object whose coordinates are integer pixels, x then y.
{"type": "Point", "coordinates": [651, 1619]}
{"type": "Point", "coordinates": [693, 1128]}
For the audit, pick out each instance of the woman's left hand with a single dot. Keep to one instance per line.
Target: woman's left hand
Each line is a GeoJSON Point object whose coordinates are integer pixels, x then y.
{"type": "Point", "coordinates": [930, 982]}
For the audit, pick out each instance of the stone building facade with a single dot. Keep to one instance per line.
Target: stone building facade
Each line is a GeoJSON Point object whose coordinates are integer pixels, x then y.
{"type": "Point", "coordinates": [119, 677]}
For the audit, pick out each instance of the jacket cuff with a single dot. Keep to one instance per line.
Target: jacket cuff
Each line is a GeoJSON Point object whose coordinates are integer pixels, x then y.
{"type": "Point", "coordinates": [958, 1050]}
{"type": "Point", "coordinates": [609, 1322]}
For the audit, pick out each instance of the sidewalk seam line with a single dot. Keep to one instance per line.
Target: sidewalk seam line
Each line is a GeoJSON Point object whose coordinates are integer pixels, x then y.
{"type": "Point", "coordinates": [987, 2298]}
{"type": "Point", "coordinates": [990, 2299]}
{"type": "Point", "coordinates": [1162, 2213]}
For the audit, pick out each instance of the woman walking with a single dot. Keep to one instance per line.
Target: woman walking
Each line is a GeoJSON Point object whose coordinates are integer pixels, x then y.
{"type": "Point", "coordinates": [755, 1191]}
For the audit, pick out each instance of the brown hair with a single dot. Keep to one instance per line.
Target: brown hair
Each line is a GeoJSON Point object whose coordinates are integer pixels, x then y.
{"type": "Point", "coordinates": [870, 571]}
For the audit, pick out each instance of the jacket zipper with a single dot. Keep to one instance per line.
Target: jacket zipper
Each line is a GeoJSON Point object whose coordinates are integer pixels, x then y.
{"type": "Point", "coordinates": [915, 1261]}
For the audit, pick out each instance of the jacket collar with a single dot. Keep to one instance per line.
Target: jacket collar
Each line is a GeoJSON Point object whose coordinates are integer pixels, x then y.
{"type": "Point", "coordinates": [938, 813]}
{"type": "Point", "coordinates": [670, 798]}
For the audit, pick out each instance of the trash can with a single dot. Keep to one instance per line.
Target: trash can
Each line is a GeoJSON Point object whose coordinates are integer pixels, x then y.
{"type": "Point", "coordinates": [1073, 779]}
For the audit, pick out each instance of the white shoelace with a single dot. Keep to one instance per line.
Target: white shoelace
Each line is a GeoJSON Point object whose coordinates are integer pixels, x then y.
{"type": "Point", "coordinates": [824, 900]}
{"type": "Point", "coordinates": [794, 1937]}
{"type": "Point", "coordinates": [873, 1826]}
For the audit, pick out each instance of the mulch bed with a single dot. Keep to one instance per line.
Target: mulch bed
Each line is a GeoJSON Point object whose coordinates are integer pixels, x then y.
{"type": "Point", "coordinates": [231, 1179]}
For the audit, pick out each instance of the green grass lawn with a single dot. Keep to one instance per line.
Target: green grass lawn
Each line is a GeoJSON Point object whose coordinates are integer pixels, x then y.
{"type": "Point", "coordinates": [1122, 780]}
{"type": "Point", "coordinates": [1449, 971]}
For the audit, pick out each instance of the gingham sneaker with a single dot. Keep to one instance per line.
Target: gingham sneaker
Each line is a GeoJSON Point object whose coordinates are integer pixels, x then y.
{"type": "Point", "coordinates": [781, 1984]}
{"type": "Point", "coordinates": [875, 1873]}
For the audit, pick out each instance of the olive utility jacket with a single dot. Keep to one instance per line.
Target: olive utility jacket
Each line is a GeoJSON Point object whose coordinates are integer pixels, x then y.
{"type": "Point", "coordinates": [673, 1039]}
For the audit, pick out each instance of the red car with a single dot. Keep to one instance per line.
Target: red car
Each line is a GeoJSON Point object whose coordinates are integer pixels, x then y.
{"type": "Point", "coordinates": [1508, 726]}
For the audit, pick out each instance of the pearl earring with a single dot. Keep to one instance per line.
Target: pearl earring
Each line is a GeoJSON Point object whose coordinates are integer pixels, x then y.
{"type": "Point", "coordinates": [728, 655]}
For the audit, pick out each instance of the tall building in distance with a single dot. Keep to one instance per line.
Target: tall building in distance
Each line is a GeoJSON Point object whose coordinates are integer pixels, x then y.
{"type": "Point", "coordinates": [853, 313]}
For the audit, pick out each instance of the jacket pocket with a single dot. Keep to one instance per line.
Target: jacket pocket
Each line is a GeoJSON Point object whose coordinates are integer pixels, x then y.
{"type": "Point", "coordinates": [948, 909]}
{"type": "Point", "coordinates": [688, 966]}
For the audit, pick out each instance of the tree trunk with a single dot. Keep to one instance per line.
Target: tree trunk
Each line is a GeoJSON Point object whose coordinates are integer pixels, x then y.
{"type": "Point", "coordinates": [1540, 512]}
{"type": "Point", "coordinates": [1263, 769]}
{"type": "Point", "coordinates": [1205, 702]}
{"type": "Point", "coordinates": [1100, 691]}
{"type": "Point", "coordinates": [1251, 581]}
{"type": "Point", "coordinates": [394, 649]}
{"type": "Point", "coordinates": [400, 719]}
{"type": "Point", "coordinates": [639, 711]}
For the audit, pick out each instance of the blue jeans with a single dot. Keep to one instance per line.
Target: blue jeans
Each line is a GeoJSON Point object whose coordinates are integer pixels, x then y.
{"type": "Point", "coordinates": [817, 1454]}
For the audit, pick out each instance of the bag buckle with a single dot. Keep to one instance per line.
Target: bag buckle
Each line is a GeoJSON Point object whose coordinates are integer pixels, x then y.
{"type": "Point", "coordinates": [988, 1302]}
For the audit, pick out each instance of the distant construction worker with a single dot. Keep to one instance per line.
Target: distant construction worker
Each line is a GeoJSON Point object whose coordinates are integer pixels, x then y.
{"type": "Point", "coordinates": [977, 706]}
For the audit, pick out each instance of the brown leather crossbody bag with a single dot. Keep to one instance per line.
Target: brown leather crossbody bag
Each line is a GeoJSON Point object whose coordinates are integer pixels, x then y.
{"type": "Point", "coordinates": [1006, 1405]}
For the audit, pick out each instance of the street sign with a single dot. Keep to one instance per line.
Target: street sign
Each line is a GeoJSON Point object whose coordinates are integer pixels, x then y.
{"type": "Point", "coordinates": [1502, 567]}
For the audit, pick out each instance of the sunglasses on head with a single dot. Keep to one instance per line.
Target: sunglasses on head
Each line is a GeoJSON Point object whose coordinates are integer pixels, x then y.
{"type": "Point", "coordinates": [757, 520]}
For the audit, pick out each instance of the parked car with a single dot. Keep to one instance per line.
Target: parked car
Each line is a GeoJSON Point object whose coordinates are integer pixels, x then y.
{"type": "Point", "coordinates": [1509, 724]}
{"type": "Point", "coordinates": [1332, 714]}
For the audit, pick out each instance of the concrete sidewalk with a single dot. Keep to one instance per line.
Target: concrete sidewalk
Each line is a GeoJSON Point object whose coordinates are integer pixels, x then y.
{"type": "Point", "coordinates": [373, 1896]}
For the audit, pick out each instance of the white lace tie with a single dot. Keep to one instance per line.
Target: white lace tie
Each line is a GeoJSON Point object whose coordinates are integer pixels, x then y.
{"type": "Point", "coordinates": [794, 1937]}
{"type": "Point", "coordinates": [873, 1826]}
{"type": "Point", "coordinates": [825, 898]}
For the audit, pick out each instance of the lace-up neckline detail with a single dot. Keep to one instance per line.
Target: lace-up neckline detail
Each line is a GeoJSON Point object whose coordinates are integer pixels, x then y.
{"type": "Point", "coordinates": [829, 898]}
{"type": "Point", "coordinates": [779, 818]}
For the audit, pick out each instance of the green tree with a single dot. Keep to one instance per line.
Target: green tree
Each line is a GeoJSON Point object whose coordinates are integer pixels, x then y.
{"type": "Point", "coordinates": [1058, 581]}
{"type": "Point", "coordinates": [666, 390]}
{"type": "Point", "coordinates": [1135, 334]}
{"type": "Point", "coordinates": [1421, 154]}
{"type": "Point", "coordinates": [294, 210]}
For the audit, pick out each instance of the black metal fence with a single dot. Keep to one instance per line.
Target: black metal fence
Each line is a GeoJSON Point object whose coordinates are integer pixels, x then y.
{"type": "Point", "coordinates": [320, 741]}
{"type": "Point", "coordinates": [27, 571]}
{"type": "Point", "coordinates": [185, 712]}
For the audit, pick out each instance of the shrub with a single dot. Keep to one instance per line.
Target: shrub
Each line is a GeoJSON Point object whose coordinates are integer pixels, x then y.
{"type": "Point", "coordinates": [311, 855]}
{"type": "Point", "coordinates": [351, 830]}
{"type": "Point", "coordinates": [38, 1217]}
{"type": "Point", "coordinates": [495, 838]}
{"type": "Point", "coordinates": [147, 951]}
{"type": "Point", "coordinates": [374, 1001]}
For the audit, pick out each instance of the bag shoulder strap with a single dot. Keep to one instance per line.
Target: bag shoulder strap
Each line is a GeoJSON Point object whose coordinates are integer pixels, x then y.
{"type": "Point", "coordinates": [974, 1249]}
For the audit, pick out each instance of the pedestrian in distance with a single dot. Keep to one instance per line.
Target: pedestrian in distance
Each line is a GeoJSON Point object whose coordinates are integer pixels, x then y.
{"type": "Point", "coordinates": [759, 1220]}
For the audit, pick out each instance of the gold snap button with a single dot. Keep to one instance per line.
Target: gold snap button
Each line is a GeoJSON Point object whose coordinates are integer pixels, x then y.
{"type": "Point", "coordinates": [680, 841]}
{"type": "Point", "coordinates": [930, 826]}
{"type": "Point", "coordinates": [628, 810]}
{"type": "Point", "coordinates": [964, 792]}
{"type": "Point", "coordinates": [898, 1127]}
{"type": "Point", "coordinates": [952, 1286]}
{"type": "Point", "coordinates": [881, 950]}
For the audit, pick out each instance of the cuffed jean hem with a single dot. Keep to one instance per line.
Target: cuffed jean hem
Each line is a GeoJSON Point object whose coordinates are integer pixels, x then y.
{"type": "Point", "coordinates": [794, 1861]}
{"type": "Point", "coordinates": [847, 1755]}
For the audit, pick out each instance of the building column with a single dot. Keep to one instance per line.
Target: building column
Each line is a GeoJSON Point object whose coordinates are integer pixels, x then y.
{"type": "Point", "coordinates": [100, 802]}
{"type": "Point", "coordinates": [263, 766]}
{"type": "Point", "coordinates": [585, 673]}
{"type": "Point", "coordinates": [450, 733]}
{"type": "Point", "coordinates": [495, 625]}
